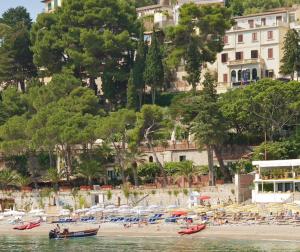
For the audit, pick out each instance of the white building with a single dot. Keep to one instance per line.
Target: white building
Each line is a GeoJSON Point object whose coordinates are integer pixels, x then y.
{"type": "Point", "coordinates": [276, 181]}
{"type": "Point", "coordinates": [254, 47]}
{"type": "Point", "coordinates": [51, 5]}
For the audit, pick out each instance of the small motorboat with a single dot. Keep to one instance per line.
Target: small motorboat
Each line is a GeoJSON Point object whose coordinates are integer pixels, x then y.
{"type": "Point", "coordinates": [55, 234]}
{"type": "Point", "coordinates": [192, 230]}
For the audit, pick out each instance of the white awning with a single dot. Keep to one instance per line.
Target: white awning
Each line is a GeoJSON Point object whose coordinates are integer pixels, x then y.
{"type": "Point", "coordinates": [277, 163]}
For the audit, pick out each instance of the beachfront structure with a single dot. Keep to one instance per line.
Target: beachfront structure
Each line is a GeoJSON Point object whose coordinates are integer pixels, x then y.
{"type": "Point", "coordinates": [254, 47]}
{"type": "Point", "coordinates": [276, 181]}
{"type": "Point", "coordinates": [51, 5]}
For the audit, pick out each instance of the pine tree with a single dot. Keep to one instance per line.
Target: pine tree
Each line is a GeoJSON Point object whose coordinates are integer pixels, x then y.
{"type": "Point", "coordinates": [291, 57]}
{"type": "Point", "coordinates": [154, 72]}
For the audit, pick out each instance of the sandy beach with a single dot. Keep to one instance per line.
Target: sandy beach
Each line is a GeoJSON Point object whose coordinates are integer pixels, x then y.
{"type": "Point", "coordinates": [251, 232]}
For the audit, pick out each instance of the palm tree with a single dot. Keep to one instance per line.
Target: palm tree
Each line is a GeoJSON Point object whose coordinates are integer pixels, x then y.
{"type": "Point", "coordinates": [90, 169]}
{"type": "Point", "coordinates": [187, 170]}
{"type": "Point", "coordinates": [133, 157]}
{"type": "Point", "coordinates": [55, 175]}
{"type": "Point", "coordinates": [7, 177]}
{"type": "Point", "coordinates": [23, 180]}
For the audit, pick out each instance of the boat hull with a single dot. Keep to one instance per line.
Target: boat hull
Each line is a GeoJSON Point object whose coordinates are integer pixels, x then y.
{"type": "Point", "coordinates": [71, 235]}
{"type": "Point", "coordinates": [192, 230]}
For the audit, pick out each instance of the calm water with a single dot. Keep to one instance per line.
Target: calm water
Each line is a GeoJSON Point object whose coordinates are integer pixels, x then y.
{"type": "Point", "coordinates": [141, 244]}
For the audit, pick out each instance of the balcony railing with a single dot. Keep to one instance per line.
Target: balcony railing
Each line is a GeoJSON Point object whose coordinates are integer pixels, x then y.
{"type": "Point", "coordinates": [245, 62]}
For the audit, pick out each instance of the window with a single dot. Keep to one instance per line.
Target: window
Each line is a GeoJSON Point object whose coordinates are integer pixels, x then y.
{"type": "Point", "coordinates": [269, 73]}
{"type": "Point", "coordinates": [49, 6]}
{"type": "Point", "coordinates": [254, 74]}
{"type": "Point", "coordinates": [278, 19]}
{"type": "Point", "coordinates": [55, 3]}
{"type": "Point", "coordinates": [225, 78]}
{"type": "Point", "coordinates": [150, 159]}
{"type": "Point", "coordinates": [270, 35]}
{"type": "Point", "coordinates": [233, 76]}
{"type": "Point", "coordinates": [251, 23]}
{"type": "Point", "coordinates": [263, 21]}
{"type": "Point", "coordinates": [240, 38]}
{"type": "Point", "coordinates": [292, 17]}
{"type": "Point", "coordinates": [182, 158]}
{"type": "Point", "coordinates": [246, 75]}
{"type": "Point", "coordinates": [270, 53]}
{"type": "Point", "coordinates": [254, 54]}
{"type": "Point", "coordinates": [225, 39]}
{"type": "Point", "coordinates": [239, 55]}
{"type": "Point", "coordinates": [224, 57]}
{"type": "Point", "coordinates": [254, 36]}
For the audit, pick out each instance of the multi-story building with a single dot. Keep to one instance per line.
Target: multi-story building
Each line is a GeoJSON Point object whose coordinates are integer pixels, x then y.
{"type": "Point", "coordinates": [254, 47]}
{"type": "Point", "coordinates": [50, 5]}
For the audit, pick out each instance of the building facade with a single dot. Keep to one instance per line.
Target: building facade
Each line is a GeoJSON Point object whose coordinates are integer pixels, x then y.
{"type": "Point", "coordinates": [276, 181]}
{"type": "Point", "coordinates": [253, 47]}
{"type": "Point", "coordinates": [51, 5]}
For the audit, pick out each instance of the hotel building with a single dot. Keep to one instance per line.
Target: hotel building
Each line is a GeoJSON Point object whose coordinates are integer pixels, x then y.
{"type": "Point", "coordinates": [254, 47]}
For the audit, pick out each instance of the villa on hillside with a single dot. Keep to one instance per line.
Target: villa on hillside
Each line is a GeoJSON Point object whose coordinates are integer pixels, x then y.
{"type": "Point", "coordinates": [276, 181]}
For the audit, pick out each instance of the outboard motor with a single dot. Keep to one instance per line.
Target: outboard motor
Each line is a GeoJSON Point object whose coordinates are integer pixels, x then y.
{"type": "Point", "coordinates": [52, 234]}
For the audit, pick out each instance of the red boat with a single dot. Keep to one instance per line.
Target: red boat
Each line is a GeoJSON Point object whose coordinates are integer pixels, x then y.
{"type": "Point", "coordinates": [22, 227]}
{"type": "Point", "coordinates": [30, 225]}
{"type": "Point", "coordinates": [192, 230]}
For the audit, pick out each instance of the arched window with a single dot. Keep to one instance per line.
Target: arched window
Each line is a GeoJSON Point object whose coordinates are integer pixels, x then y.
{"type": "Point", "coordinates": [233, 76]}
{"type": "Point", "coordinates": [150, 159]}
{"type": "Point", "coordinates": [239, 75]}
{"type": "Point", "coordinates": [246, 75]}
{"type": "Point", "coordinates": [254, 74]}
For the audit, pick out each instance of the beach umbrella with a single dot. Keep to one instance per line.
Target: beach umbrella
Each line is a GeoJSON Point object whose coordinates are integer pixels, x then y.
{"type": "Point", "coordinates": [204, 197]}
{"type": "Point", "coordinates": [179, 213]}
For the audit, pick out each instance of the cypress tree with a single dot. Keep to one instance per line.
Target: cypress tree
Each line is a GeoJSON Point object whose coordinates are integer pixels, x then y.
{"type": "Point", "coordinates": [131, 92]}
{"type": "Point", "coordinates": [154, 72]}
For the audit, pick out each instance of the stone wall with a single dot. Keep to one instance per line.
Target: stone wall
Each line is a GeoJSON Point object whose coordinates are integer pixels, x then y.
{"type": "Point", "coordinates": [164, 197]}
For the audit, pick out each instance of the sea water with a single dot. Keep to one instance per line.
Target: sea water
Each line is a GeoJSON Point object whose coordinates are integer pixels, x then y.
{"type": "Point", "coordinates": [134, 244]}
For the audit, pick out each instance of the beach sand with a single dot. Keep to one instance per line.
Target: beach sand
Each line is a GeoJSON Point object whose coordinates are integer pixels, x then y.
{"type": "Point", "coordinates": [251, 232]}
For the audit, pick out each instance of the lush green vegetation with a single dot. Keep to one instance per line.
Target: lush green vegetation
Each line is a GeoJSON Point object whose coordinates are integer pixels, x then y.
{"type": "Point", "coordinates": [58, 123]}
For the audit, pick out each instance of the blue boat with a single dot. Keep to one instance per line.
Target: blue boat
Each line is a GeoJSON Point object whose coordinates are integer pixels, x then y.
{"type": "Point", "coordinates": [64, 220]}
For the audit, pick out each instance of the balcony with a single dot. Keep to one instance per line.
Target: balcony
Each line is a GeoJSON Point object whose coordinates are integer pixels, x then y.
{"type": "Point", "coordinates": [245, 62]}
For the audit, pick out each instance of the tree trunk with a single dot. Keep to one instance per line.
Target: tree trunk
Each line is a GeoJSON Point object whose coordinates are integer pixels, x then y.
{"type": "Point", "coordinates": [68, 162]}
{"type": "Point", "coordinates": [224, 169]}
{"type": "Point", "coordinates": [210, 157]}
{"type": "Point", "coordinates": [153, 94]}
{"type": "Point", "coordinates": [140, 95]}
{"type": "Point", "coordinates": [22, 86]}
{"type": "Point", "coordinates": [135, 175]}
{"type": "Point", "coordinates": [159, 163]}
{"type": "Point", "coordinates": [121, 163]}
{"type": "Point", "coordinates": [93, 85]}
{"type": "Point", "coordinates": [50, 159]}
{"type": "Point", "coordinates": [190, 181]}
